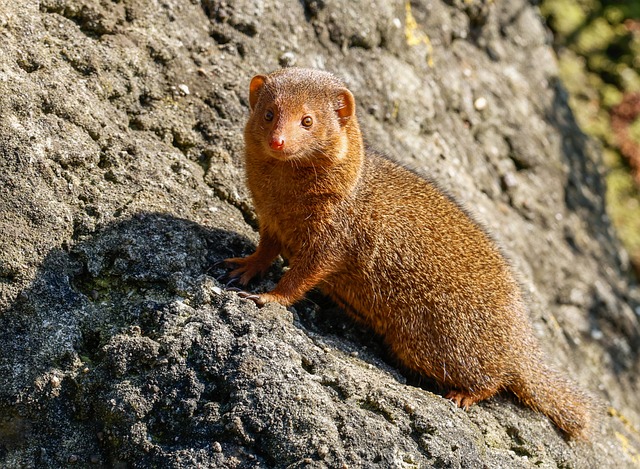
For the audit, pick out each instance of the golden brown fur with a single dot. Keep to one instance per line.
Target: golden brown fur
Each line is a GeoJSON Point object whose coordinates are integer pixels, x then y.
{"type": "Point", "coordinates": [390, 245]}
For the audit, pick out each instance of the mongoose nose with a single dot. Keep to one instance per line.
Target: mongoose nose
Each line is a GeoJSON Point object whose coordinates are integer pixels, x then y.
{"type": "Point", "coordinates": [276, 143]}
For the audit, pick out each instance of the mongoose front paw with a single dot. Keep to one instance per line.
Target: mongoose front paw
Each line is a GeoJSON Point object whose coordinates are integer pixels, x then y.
{"type": "Point", "coordinates": [246, 268]}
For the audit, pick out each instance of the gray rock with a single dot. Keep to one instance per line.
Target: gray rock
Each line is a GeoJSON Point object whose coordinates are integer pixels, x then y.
{"type": "Point", "coordinates": [121, 186]}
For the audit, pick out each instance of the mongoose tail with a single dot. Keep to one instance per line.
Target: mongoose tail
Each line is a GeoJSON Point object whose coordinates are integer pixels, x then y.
{"type": "Point", "coordinates": [547, 391]}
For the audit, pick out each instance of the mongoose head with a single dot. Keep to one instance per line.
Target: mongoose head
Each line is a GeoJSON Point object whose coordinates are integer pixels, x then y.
{"type": "Point", "coordinates": [300, 114]}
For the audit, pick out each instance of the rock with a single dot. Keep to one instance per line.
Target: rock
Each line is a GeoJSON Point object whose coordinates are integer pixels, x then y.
{"type": "Point", "coordinates": [121, 187]}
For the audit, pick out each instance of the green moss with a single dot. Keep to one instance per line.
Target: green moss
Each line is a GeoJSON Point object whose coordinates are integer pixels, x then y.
{"type": "Point", "coordinates": [573, 71]}
{"type": "Point", "coordinates": [614, 14]}
{"type": "Point", "coordinates": [630, 79]}
{"type": "Point", "coordinates": [610, 157]}
{"type": "Point", "coordinates": [566, 15]}
{"type": "Point", "coordinates": [611, 96]}
{"type": "Point", "coordinates": [595, 37]}
{"type": "Point", "coordinates": [600, 126]}
{"type": "Point", "coordinates": [623, 201]}
{"type": "Point", "coordinates": [599, 62]}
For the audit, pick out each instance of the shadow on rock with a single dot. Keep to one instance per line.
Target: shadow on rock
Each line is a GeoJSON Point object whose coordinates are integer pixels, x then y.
{"type": "Point", "coordinates": [62, 342]}
{"type": "Point", "coordinates": [611, 303]}
{"type": "Point", "coordinates": [126, 350]}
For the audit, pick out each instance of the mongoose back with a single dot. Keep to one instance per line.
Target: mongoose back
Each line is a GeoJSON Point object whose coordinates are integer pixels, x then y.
{"type": "Point", "coordinates": [390, 248]}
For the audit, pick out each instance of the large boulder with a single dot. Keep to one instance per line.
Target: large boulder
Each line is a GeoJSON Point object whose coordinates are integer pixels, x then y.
{"type": "Point", "coordinates": [121, 186]}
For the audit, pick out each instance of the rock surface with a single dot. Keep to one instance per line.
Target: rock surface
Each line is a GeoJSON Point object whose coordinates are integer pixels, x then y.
{"type": "Point", "coordinates": [121, 185]}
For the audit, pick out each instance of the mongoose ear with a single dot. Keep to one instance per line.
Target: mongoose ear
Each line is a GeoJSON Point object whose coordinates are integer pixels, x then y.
{"type": "Point", "coordinates": [345, 106]}
{"type": "Point", "coordinates": [255, 86]}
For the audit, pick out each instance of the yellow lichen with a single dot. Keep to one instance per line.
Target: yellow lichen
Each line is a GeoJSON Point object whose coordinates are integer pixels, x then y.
{"type": "Point", "coordinates": [629, 450]}
{"type": "Point", "coordinates": [415, 36]}
{"type": "Point", "coordinates": [624, 420]}
{"type": "Point", "coordinates": [625, 445]}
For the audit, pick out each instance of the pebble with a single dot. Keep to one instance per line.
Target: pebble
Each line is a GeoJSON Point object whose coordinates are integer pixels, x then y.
{"type": "Point", "coordinates": [509, 180]}
{"type": "Point", "coordinates": [577, 297]}
{"type": "Point", "coordinates": [184, 88]}
{"type": "Point", "coordinates": [217, 447]}
{"type": "Point", "coordinates": [480, 103]}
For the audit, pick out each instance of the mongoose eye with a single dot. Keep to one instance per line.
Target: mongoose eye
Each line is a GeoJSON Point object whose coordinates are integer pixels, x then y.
{"type": "Point", "coordinates": [307, 121]}
{"type": "Point", "coordinates": [268, 116]}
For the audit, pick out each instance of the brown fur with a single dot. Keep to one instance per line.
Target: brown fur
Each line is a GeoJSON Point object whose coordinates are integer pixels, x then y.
{"type": "Point", "coordinates": [392, 246]}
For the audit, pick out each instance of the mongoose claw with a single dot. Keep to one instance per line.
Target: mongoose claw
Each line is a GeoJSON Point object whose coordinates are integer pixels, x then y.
{"type": "Point", "coordinates": [217, 265]}
{"type": "Point", "coordinates": [231, 280]}
{"type": "Point", "coordinates": [251, 296]}
{"type": "Point", "coordinates": [461, 399]}
{"type": "Point", "coordinates": [235, 289]}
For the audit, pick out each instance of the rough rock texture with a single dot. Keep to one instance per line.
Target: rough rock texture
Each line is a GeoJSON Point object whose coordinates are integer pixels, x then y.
{"type": "Point", "coordinates": [121, 185]}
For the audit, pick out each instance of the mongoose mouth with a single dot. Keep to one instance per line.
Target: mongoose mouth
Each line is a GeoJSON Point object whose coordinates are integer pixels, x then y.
{"type": "Point", "coordinates": [299, 159]}
{"type": "Point", "coordinates": [283, 153]}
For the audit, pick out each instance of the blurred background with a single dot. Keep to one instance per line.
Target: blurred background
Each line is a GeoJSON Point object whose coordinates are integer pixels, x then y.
{"type": "Point", "coordinates": [598, 45]}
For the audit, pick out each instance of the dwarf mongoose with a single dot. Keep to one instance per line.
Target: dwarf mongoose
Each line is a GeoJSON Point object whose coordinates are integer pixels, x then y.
{"type": "Point", "coordinates": [390, 247]}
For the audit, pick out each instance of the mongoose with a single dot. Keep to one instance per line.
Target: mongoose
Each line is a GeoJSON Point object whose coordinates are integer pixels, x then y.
{"type": "Point", "coordinates": [390, 247]}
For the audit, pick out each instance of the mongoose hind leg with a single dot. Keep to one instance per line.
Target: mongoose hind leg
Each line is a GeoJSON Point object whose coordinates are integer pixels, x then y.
{"type": "Point", "coordinates": [466, 399]}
